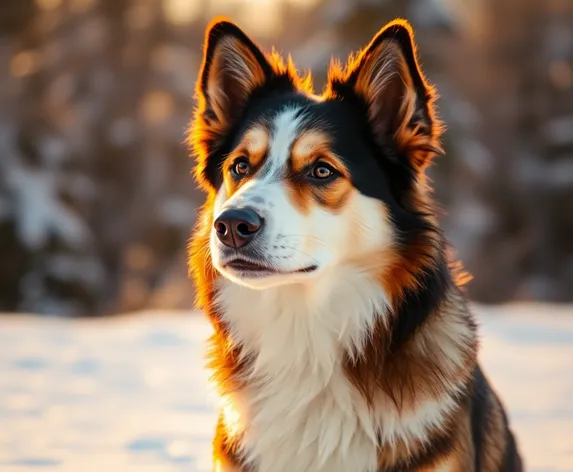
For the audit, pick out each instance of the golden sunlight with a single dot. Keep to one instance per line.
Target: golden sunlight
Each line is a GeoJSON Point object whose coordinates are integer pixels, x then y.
{"type": "Point", "coordinates": [303, 3]}
{"type": "Point", "coordinates": [182, 12]}
{"type": "Point", "coordinates": [48, 5]}
{"type": "Point", "coordinates": [262, 17]}
{"type": "Point", "coordinates": [231, 417]}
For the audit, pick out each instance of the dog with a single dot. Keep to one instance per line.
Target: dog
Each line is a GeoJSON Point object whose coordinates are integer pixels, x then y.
{"type": "Point", "coordinates": [343, 341]}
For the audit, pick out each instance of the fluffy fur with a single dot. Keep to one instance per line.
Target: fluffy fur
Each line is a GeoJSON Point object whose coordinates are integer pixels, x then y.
{"type": "Point", "coordinates": [342, 341]}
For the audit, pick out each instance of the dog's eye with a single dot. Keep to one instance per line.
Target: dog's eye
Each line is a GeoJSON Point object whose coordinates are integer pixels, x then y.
{"type": "Point", "coordinates": [322, 171]}
{"type": "Point", "coordinates": [240, 167]}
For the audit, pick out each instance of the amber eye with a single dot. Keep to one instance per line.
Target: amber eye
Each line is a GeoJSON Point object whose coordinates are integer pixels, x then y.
{"type": "Point", "coordinates": [240, 167]}
{"type": "Point", "coordinates": [322, 171]}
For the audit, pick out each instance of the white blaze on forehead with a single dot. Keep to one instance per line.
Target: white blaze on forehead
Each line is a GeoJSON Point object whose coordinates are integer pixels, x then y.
{"type": "Point", "coordinates": [285, 129]}
{"type": "Point", "coordinates": [220, 199]}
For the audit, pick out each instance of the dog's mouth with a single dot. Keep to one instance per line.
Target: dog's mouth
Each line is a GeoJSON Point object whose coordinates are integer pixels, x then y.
{"type": "Point", "coordinates": [259, 269]}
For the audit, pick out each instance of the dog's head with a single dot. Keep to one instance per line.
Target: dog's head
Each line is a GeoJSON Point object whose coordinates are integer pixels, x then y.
{"type": "Point", "coordinates": [301, 183]}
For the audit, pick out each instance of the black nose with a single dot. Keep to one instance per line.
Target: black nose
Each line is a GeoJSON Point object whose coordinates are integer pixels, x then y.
{"type": "Point", "coordinates": [238, 226]}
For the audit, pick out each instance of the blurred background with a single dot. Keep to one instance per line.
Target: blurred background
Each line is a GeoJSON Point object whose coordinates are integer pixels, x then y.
{"type": "Point", "coordinates": [96, 197]}
{"type": "Point", "coordinates": [97, 205]}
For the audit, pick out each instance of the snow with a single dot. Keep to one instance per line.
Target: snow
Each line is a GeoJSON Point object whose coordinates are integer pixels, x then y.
{"type": "Point", "coordinates": [40, 212]}
{"type": "Point", "coordinates": [130, 393]}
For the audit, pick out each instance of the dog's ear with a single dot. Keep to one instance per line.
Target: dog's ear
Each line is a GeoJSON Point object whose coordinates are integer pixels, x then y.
{"type": "Point", "coordinates": [386, 74]}
{"type": "Point", "coordinates": [233, 68]}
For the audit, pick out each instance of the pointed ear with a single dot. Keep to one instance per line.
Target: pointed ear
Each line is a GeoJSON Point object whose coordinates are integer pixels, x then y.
{"type": "Point", "coordinates": [233, 68]}
{"type": "Point", "coordinates": [386, 74]}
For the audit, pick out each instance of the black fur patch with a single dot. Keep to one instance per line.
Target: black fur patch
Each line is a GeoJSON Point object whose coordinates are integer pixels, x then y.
{"type": "Point", "coordinates": [511, 458]}
{"type": "Point", "coordinates": [417, 304]}
{"type": "Point", "coordinates": [479, 414]}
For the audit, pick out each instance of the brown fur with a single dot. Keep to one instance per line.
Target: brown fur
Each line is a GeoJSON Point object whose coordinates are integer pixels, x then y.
{"type": "Point", "coordinates": [426, 367]}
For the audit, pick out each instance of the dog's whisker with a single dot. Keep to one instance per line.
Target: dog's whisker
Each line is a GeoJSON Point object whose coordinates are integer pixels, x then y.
{"type": "Point", "coordinates": [304, 254]}
{"type": "Point", "coordinates": [319, 241]}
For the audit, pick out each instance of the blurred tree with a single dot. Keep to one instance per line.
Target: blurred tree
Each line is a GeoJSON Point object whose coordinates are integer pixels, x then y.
{"type": "Point", "coordinates": [95, 196]}
{"type": "Point", "coordinates": [96, 201]}
{"type": "Point", "coordinates": [511, 187]}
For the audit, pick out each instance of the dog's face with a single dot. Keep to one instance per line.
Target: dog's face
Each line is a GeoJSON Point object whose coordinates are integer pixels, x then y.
{"type": "Point", "coordinates": [299, 183]}
{"type": "Point", "coordinates": [288, 207]}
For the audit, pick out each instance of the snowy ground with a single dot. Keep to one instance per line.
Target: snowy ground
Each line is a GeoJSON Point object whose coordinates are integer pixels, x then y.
{"type": "Point", "coordinates": [130, 393]}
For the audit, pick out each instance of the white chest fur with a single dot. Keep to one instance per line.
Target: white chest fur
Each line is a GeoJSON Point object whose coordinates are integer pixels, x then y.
{"type": "Point", "coordinates": [299, 411]}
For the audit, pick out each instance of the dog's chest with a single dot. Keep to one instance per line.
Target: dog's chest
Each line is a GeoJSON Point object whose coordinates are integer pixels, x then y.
{"type": "Point", "coordinates": [297, 423]}
{"type": "Point", "coordinates": [298, 411]}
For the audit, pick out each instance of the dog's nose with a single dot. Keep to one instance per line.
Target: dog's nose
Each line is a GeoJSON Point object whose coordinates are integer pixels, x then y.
{"type": "Point", "coordinates": [237, 227]}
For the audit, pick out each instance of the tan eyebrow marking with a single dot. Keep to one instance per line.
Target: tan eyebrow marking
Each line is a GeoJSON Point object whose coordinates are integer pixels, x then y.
{"type": "Point", "coordinates": [307, 146]}
{"type": "Point", "coordinates": [256, 143]}
{"type": "Point", "coordinates": [254, 146]}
